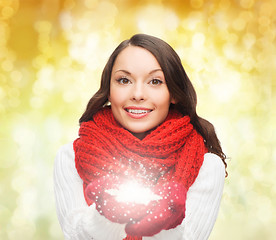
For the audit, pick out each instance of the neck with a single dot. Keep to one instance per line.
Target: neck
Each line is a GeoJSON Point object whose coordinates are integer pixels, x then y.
{"type": "Point", "coordinates": [140, 135]}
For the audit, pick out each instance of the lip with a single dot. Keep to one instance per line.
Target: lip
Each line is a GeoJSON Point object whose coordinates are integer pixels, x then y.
{"type": "Point", "coordinates": [135, 113]}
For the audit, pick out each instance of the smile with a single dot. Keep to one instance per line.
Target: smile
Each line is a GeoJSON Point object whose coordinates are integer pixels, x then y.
{"type": "Point", "coordinates": [137, 113]}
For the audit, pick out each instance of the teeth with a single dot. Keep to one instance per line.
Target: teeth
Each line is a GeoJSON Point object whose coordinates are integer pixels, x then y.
{"type": "Point", "coordinates": [137, 111]}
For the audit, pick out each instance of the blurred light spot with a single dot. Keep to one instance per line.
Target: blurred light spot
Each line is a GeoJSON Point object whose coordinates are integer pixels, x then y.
{"type": "Point", "coordinates": [69, 4]}
{"type": "Point", "coordinates": [171, 21]}
{"type": "Point", "coordinates": [91, 3]}
{"type": "Point", "coordinates": [220, 20]}
{"type": "Point", "coordinates": [266, 9]}
{"type": "Point", "coordinates": [239, 24]}
{"type": "Point", "coordinates": [27, 199]}
{"type": "Point", "coordinates": [92, 41]}
{"type": "Point", "coordinates": [53, 128]}
{"type": "Point", "coordinates": [198, 41]}
{"type": "Point", "coordinates": [196, 3]}
{"type": "Point", "coordinates": [247, 16]}
{"type": "Point", "coordinates": [13, 93]}
{"type": "Point", "coordinates": [274, 157]}
{"type": "Point", "coordinates": [3, 38]}
{"type": "Point", "coordinates": [16, 76]}
{"type": "Point", "coordinates": [230, 51]}
{"type": "Point", "coordinates": [246, 184]}
{"type": "Point", "coordinates": [226, 89]}
{"type": "Point", "coordinates": [7, 65]}
{"type": "Point", "coordinates": [39, 62]}
{"type": "Point", "coordinates": [83, 24]}
{"type": "Point", "coordinates": [2, 94]}
{"type": "Point", "coordinates": [249, 40]}
{"type": "Point", "coordinates": [224, 5]}
{"type": "Point", "coordinates": [21, 225]}
{"type": "Point", "coordinates": [7, 12]}
{"type": "Point", "coordinates": [13, 102]}
{"type": "Point", "coordinates": [23, 135]}
{"type": "Point", "coordinates": [264, 211]}
{"type": "Point", "coordinates": [107, 7]}
{"type": "Point", "coordinates": [65, 62]}
{"type": "Point", "coordinates": [248, 64]}
{"type": "Point", "coordinates": [3, 79]}
{"type": "Point", "coordinates": [36, 102]}
{"type": "Point", "coordinates": [21, 181]}
{"type": "Point", "coordinates": [69, 96]}
{"type": "Point", "coordinates": [45, 77]}
{"type": "Point", "coordinates": [192, 21]}
{"type": "Point", "coordinates": [43, 26]}
{"type": "Point", "coordinates": [232, 38]}
{"type": "Point", "coordinates": [264, 21]}
{"type": "Point", "coordinates": [24, 229]}
{"type": "Point", "coordinates": [55, 231]}
{"type": "Point", "coordinates": [65, 19]}
{"type": "Point", "coordinates": [246, 129]}
{"type": "Point", "coordinates": [155, 20]}
{"type": "Point", "coordinates": [247, 3]}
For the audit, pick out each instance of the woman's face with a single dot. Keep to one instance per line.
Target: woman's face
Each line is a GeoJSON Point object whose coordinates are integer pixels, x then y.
{"type": "Point", "coordinates": [139, 96]}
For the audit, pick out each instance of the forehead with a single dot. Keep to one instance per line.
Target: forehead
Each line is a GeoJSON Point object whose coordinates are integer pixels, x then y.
{"type": "Point", "coordinates": [135, 58]}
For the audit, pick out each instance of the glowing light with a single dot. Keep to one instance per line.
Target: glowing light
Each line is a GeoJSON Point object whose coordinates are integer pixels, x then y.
{"type": "Point", "coordinates": [7, 12]}
{"type": "Point", "coordinates": [133, 192]}
{"type": "Point", "coordinates": [198, 40]}
{"type": "Point", "coordinates": [152, 15]}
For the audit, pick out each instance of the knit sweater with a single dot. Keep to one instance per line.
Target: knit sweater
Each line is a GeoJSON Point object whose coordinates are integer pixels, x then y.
{"type": "Point", "coordinates": [82, 222]}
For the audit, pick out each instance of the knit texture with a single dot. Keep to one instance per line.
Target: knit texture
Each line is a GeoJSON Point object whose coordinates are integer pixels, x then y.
{"type": "Point", "coordinates": [172, 151]}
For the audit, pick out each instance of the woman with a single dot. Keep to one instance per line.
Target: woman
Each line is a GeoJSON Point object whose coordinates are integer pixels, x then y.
{"type": "Point", "coordinates": [141, 127]}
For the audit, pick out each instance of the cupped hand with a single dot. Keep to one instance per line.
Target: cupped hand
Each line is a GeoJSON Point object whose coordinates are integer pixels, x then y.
{"type": "Point", "coordinates": [166, 214]}
{"type": "Point", "coordinates": [107, 204]}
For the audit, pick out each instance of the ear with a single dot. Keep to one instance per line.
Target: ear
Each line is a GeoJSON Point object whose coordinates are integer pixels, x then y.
{"type": "Point", "coordinates": [173, 101]}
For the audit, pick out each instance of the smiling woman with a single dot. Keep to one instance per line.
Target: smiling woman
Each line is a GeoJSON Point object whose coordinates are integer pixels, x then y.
{"type": "Point", "coordinates": [150, 135]}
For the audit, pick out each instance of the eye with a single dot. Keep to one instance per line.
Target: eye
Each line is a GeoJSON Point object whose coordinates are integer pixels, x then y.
{"type": "Point", "coordinates": [123, 81]}
{"type": "Point", "coordinates": [155, 81]}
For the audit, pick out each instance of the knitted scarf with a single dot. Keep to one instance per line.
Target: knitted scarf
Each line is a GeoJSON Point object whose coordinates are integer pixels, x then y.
{"type": "Point", "coordinates": [173, 150]}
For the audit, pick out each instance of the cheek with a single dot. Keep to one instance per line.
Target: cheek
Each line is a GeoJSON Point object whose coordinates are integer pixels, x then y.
{"type": "Point", "coordinates": [162, 99]}
{"type": "Point", "coordinates": [116, 96]}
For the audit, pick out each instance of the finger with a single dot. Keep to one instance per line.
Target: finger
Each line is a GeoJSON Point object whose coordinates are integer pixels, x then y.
{"type": "Point", "coordinates": [96, 189]}
{"type": "Point", "coordinates": [152, 224]}
{"type": "Point", "coordinates": [122, 212]}
{"type": "Point", "coordinates": [176, 221]}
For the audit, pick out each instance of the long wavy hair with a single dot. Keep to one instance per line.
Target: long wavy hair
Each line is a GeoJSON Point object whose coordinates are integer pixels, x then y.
{"type": "Point", "coordinates": [179, 86]}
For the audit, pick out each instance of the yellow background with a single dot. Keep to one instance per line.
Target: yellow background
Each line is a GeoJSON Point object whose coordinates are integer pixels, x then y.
{"type": "Point", "coordinates": [52, 53]}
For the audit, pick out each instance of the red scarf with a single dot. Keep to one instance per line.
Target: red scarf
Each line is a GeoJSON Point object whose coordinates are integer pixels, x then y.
{"type": "Point", "coordinates": [172, 150]}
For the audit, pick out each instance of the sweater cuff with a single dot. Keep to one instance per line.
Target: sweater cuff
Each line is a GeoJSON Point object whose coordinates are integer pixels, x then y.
{"type": "Point", "coordinates": [99, 227]}
{"type": "Point", "coordinates": [92, 225]}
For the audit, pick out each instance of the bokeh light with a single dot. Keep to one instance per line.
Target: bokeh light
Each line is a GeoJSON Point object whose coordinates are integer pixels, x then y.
{"type": "Point", "coordinates": [52, 53]}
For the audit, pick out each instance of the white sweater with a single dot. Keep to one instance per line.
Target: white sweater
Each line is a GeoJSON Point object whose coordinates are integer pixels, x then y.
{"type": "Point", "coordinates": [82, 222]}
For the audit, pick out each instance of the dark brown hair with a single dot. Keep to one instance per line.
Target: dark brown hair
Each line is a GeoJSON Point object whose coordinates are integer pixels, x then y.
{"type": "Point", "coordinates": [179, 85]}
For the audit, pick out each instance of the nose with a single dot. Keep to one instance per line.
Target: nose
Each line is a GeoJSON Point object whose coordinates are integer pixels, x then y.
{"type": "Point", "coordinates": [138, 92]}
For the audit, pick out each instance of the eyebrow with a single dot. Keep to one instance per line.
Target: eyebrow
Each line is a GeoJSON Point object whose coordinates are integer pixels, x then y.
{"type": "Point", "coordinates": [127, 72]}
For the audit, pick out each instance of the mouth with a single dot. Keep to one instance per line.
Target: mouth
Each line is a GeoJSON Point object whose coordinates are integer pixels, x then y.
{"type": "Point", "coordinates": [135, 112]}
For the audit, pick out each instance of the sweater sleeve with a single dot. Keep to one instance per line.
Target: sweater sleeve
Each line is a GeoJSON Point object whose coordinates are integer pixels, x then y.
{"type": "Point", "coordinates": [202, 204]}
{"type": "Point", "coordinates": [204, 199]}
{"type": "Point", "coordinates": [78, 221]}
